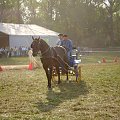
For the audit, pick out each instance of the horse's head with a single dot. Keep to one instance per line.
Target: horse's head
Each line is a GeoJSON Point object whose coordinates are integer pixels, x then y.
{"type": "Point", "coordinates": [35, 45]}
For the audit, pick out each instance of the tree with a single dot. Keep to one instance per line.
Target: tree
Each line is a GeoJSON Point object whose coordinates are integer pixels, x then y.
{"type": "Point", "coordinates": [10, 11]}
{"type": "Point", "coordinates": [112, 6]}
{"type": "Point", "coordinates": [5, 6]}
{"type": "Point", "coordinates": [93, 23]}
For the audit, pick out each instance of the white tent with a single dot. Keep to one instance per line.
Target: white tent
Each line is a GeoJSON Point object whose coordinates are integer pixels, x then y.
{"type": "Point", "coordinates": [21, 34]}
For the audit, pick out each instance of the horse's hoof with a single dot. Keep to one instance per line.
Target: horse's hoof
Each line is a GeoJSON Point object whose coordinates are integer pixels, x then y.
{"type": "Point", "coordinates": [49, 88]}
{"type": "Point", "coordinates": [68, 81]}
{"type": "Point", "coordinates": [59, 82]}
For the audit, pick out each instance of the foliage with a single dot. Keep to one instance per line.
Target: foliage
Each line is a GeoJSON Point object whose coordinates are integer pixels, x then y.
{"type": "Point", "coordinates": [93, 23]}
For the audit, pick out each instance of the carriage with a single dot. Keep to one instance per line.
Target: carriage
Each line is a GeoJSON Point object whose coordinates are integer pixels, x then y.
{"type": "Point", "coordinates": [75, 71]}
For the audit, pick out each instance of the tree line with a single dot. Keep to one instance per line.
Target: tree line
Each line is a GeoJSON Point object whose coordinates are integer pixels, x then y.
{"type": "Point", "coordinates": [91, 23]}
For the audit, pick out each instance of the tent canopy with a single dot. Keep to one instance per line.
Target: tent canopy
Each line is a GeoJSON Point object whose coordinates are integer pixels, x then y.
{"type": "Point", "coordinates": [21, 34]}
{"type": "Point", "coordinates": [25, 29]}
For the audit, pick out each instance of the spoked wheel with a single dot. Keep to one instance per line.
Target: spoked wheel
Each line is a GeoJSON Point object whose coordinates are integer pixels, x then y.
{"type": "Point", "coordinates": [78, 73]}
{"type": "Point", "coordinates": [74, 75]}
{"type": "Point", "coordinates": [54, 74]}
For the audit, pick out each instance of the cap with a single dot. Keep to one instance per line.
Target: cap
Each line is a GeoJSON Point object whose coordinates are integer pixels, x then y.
{"type": "Point", "coordinates": [65, 35]}
{"type": "Point", "coordinates": [60, 34]}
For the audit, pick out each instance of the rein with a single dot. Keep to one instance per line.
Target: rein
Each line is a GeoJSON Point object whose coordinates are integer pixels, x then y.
{"type": "Point", "coordinates": [56, 58]}
{"type": "Point", "coordinates": [42, 54]}
{"type": "Point", "coordinates": [50, 55]}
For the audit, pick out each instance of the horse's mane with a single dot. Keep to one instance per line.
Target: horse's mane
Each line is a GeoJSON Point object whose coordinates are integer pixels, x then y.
{"type": "Point", "coordinates": [44, 42]}
{"type": "Point", "coordinates": [56, 47]}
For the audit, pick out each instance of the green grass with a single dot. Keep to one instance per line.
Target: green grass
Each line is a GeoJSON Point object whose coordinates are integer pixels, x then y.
{"type": "Point", "coordinates": [97, 57]}
{"type": "Point", "coordinates": [24, 94]}
{"type": "Point", "coordinates": [14, 61]}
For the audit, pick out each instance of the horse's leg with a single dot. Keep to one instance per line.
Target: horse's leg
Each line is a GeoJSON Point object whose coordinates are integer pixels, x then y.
{"type": "Point", "coordinates": [67, 76]}
{"type": "Point", "coordinates": [49, 76]}
{"type": "Point", "coordinates": [58, 72]}
{"type": "Point", "coordinates": [67, 61]}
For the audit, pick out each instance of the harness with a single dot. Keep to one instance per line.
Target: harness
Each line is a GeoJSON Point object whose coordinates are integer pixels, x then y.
{"type": "Point", "coordinates": [53, 56]}
{"type": "Point", "coordinates": [56, 57]}
{"type": "Point", "coordinates": [42, 54]}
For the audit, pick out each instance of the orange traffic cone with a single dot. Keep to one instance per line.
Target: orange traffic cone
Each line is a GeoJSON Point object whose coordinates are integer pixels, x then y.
{"type": "Point", "coordinates": [1, 68]}
{"type": "Point", "coordinates": [116, 59]}
{"type": "Point", "coordinates": [30, 66]}
{"type": "Point", "coordinates": [103, 60]}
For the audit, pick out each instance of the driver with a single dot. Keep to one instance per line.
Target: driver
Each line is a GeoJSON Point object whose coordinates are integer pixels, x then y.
{"type": "Point", "coordinates": [67, 43]}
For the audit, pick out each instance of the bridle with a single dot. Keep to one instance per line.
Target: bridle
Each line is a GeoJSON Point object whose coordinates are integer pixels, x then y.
{"type": "Point", "coordinates": [42, 55]}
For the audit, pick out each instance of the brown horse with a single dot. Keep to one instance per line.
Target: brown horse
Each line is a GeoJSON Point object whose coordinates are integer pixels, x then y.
{"type": "Point", "coordinates": [51, 57]}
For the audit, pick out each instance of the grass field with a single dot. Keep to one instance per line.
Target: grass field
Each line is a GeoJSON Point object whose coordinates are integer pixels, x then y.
{"type": "Point", "coordinates": [24, 94]}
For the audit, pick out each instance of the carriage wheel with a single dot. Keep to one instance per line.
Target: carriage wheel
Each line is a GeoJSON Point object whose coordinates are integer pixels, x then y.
{"type": "Point", "coordinates": [54, 74]}
{"type": "Point", "coordinates": [78, 74]}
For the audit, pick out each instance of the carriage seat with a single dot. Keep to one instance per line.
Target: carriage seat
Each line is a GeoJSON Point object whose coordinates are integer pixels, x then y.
{"type": "Point", "coordinates": [74, 60]}
{"type": "Point", "coordinates": [77, 61]}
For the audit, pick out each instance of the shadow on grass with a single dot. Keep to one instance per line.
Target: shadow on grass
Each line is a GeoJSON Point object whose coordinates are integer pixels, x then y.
{"type": "Point", "coordinates": [65, 91]}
